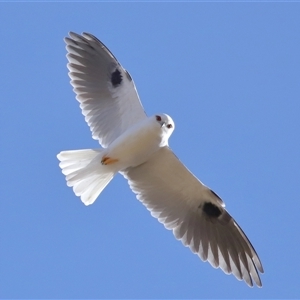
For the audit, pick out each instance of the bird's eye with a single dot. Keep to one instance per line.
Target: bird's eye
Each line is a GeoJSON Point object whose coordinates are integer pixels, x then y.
{"type": "Point", "coordinates": [169, 126]}
{"type": "Point", "coordinates": [158, 118]}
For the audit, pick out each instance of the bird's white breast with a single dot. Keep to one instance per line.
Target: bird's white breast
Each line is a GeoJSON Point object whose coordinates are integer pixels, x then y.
{"type": "Point", "coordinates": [136, 144]}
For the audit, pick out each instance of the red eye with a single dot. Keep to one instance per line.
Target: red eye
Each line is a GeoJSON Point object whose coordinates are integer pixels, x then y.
{"type": "Point", "coordinates": [158, 118]}
{"type": "Point", "coordinates": [169, 126]}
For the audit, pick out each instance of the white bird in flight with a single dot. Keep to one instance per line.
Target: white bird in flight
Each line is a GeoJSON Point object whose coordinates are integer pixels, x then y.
{"type": "Point", "coordinates": [136, 146]}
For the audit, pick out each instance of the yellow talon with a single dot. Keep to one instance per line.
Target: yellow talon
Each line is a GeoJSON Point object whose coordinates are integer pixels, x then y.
{"type": "Point", "coordinates": [107, 160]}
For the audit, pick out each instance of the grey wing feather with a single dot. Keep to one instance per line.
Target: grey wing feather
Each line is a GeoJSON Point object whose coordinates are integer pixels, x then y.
{"type": "Point", "coordinates": [195, 214]}
{"type": "Point", "coordinates": [105, 90]}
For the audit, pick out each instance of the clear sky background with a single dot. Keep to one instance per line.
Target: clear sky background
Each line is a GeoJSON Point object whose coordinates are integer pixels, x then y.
{"type": "Point", "coordinates": [228, 74]}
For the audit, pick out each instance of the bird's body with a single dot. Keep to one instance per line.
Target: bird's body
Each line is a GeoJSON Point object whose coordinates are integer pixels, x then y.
{"type": "Point", "coordinates": [137, 143]}
{"type": "Point", "coordinates": [137, 147]}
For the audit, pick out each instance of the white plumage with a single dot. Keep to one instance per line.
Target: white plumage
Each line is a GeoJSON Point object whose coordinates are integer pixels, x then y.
{"type": "Point", "coordinates": [137, 146]}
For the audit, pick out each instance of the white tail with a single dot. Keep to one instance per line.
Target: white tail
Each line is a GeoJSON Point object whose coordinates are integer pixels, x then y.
{"type": "Point", "coordinates": [85, 173]}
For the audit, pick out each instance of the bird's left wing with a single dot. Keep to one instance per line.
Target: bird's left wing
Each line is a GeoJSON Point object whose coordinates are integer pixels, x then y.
{"type": "Point", "coordinates": [195, 213]}
{"type": "Point", "coordinates": [105, 90]}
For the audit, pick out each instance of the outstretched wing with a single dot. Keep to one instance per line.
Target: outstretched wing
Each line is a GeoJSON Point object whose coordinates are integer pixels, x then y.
{"type": "Point", "coordinates": [105, 90]}
{"type": "Point", "coordinates": [196, 215]}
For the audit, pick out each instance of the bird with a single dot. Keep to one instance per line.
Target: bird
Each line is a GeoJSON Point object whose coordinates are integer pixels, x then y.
{"type": "Point", "coordinates": [136, 146]}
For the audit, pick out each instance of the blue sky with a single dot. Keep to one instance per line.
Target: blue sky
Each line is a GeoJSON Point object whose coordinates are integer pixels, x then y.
{"type": "Point", "coordinates": [227, 73]}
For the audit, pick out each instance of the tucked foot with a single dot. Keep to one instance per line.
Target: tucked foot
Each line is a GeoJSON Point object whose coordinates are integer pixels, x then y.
{"type": "Point", "coordinates": [108, 160]}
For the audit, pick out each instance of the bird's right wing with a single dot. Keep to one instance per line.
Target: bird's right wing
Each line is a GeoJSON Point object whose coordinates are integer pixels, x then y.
{"type": "Point", "coordinates": [105, 90]}
{"type": "Point", "coordinates": [196, 215]}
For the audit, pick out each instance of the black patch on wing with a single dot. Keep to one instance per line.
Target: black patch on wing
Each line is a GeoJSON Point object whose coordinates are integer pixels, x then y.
{"type": "Point", "coordinates": [211, 210]}
{"type": "Point", "coordinates": [116, 78]}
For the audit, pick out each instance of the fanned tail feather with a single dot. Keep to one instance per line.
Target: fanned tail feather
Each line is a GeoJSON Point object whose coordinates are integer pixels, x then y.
{"type": "Point", "coordinates": [85, 173]}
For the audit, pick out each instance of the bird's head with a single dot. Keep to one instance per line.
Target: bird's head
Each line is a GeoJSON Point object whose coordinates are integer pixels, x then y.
{"type": "Point", "coordinates": [165, 123]}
